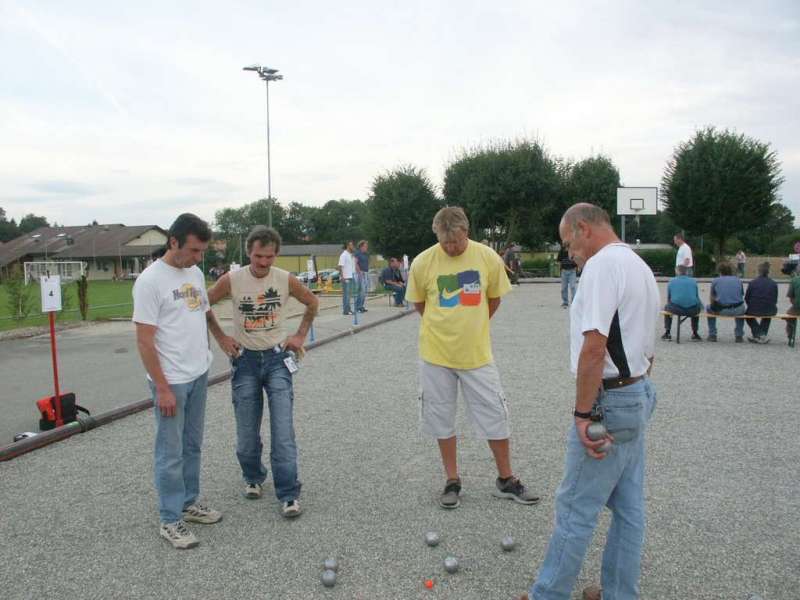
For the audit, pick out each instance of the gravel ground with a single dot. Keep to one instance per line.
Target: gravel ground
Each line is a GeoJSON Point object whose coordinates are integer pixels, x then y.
{"type": "Point", "coordinates": [79, 517]}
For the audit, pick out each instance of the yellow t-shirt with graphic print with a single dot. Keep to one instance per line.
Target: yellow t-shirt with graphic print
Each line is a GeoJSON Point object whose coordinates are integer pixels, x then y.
{"type": "Point", "coordinates": [455, 325]}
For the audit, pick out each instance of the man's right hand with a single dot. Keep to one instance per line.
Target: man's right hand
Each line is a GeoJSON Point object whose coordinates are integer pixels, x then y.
{"type": "Point", "coordinates": [592, 446]}
{"type": "Point", "coordinates": [166, 401]}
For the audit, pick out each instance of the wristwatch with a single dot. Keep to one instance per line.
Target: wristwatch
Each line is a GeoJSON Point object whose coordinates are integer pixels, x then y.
{"type": "Point", "coordinates": [582, 415]}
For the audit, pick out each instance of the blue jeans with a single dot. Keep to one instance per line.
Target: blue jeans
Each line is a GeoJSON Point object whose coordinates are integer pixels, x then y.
{"type": "Point", "coordinates": [252, 372]}
{"type": "Point", "coordinates": [347, 286]}
{"type": "Point", "coordinates": [617, 482]}
{"type": "Point", "coordinates": [177, 448]}
{"type": "Point", "coordinates": [399, 292]}
{"type": "Point", "coordinates": [727, 312]}
{"type": "Point", "coordinates": [569, 281]}
{"type": "Point", "coordinates": [362, 281]}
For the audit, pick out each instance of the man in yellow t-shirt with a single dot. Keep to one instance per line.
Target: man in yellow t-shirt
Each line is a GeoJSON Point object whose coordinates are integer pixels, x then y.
{"type": "Point", "coordinates": [456, 286]}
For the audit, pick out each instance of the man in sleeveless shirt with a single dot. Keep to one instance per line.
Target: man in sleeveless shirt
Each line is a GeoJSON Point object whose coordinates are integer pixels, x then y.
{"type": "Point", "coordinates": [612, 340]}
{"type": "Point", "coordinates": [259, 293]}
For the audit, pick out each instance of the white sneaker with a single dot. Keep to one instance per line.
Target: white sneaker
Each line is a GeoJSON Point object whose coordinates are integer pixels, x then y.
{"type": "Point", "coordinates": [178, 535]}
{"type": "Point", "coordinates": [291, 509]}
{"type": "Point", "coordinates": [200, 513]}
{"type": "Point", "coordinates": [252, 491]}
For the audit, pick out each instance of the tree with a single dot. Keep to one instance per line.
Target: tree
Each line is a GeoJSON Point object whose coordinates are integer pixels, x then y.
{"type": "Point", "coordinates": [299, 223]}
{"type": "Point", "coordinates": [759, 239]}
{"type": "Point", "coordinates": [508, 189]}
{"type": "Point", "coordinates": [8, 229]}
{"type": "Point", "coordinates": [720, 183]}
{"type": "Point", "coordinates": [594, 180]}
{"type": "Point", "coordinates": [19, 297]}
{"type": "Point", "coordinates": [339, 220]}
{"type": "Point", "coordinates": [30, 222]}
{"type": "Point", "coordinates": [400, 210]}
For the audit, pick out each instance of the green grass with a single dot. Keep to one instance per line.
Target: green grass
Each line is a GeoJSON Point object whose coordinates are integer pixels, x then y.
{"type": "Point", "coordinates": [103, 298]}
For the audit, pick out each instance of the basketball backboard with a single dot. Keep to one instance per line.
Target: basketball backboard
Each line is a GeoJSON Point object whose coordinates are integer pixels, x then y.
{"type": "Point", "coordinates": [637, 201]}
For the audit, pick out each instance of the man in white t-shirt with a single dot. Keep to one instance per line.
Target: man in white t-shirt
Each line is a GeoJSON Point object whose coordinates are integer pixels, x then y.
{"type": "Point", "coordinates": [173, 316]}
{"type": "Point", "coordinates": [684, 256]}
{"type": "Point", "coordinates": [347, 269]}
{"type": "Point", "coordinates": [612, 340]}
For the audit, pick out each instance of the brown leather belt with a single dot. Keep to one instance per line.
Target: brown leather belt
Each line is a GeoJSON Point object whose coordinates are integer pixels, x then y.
{"type": "Point", "coordinates": [612, 384]}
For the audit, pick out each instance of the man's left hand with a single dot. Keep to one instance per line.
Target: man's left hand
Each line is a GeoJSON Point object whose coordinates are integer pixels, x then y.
{"type": "Point", "coordinates": [294, 342]}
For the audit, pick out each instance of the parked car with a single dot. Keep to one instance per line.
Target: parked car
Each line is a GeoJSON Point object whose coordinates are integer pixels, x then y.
{"type": "Point", "coordinates": [330, 273]}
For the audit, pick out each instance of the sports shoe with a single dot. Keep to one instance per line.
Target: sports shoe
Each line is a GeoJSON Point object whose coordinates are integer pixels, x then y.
{"type": "Point", "coordinates": [252, 491]}
{"type": "Point", "coordinates": [200, 513]}
{"type": "Point", "coordinates": [513, 489]}
{"type": "Point", "coordinates": [449, 497]}
{"type": "Point", "coordinates": [739, 339]}
{"type": "Point", "coordinates": [696, 337]}
{"type": "Point", "coordinates": [178, 535]}
{"type": "Point", "coordinates": [667, 337]}
{"type": "Point", "coordinates": [362, 310]}
{"type": "Point", "coordinates": [564, 305]}
{"type": "Point", "coordinates": [763, 340]}
{"type": "Point", "coordinates": [291, 509]}
{"type": "Point", "coordinates": [592, 592]}
{"type": "Point", "coordinates": [754, 339]}
{"type": "Point", "coordinates": [712, 338]}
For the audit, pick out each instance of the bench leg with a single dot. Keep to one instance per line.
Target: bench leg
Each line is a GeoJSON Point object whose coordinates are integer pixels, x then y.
{"type": "Point", "coordinates": [678, 333]}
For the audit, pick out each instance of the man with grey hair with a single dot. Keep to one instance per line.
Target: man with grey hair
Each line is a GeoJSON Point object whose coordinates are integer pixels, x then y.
{"type": "Point", "coordinates": [456, 286]}
{"type": "Point", "coordinates": [612, 340]}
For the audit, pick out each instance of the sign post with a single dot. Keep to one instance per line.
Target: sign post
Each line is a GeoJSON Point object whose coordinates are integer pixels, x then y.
{"type": "Point", "coordinates": [51, 303]}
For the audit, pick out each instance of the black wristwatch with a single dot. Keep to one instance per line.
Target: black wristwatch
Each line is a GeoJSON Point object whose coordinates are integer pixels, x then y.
{"type": "Point", "coordinates": [582, 415]}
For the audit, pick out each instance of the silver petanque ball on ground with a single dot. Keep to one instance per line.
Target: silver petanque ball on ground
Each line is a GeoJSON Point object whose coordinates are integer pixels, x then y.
{"type": "Point", "coordinates": [432, 538]}
{"type": "Point", "coordinates": [451, 564]}
{"type": "Point", "coordinates": [328, 578]}
{"type": "Point", "coordinates": [507, 543]}
{"type": "Point", "coordinates": [330, 564]}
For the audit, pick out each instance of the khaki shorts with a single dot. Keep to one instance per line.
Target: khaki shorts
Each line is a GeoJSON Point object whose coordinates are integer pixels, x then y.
{"type": "Point", "coordinates": [483, 398]}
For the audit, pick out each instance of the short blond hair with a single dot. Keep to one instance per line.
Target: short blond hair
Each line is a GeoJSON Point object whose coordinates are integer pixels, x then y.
{"type": "Point", "coordinates": [449, 220]}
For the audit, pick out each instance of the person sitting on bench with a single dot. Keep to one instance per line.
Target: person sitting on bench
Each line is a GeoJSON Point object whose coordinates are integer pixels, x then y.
{"type": "Point", "coordinates": [794, 295]}
{"type": "Point", "coordinates": [762, 301]}
{"type": "Point", "coordinates": [683, 299]}
{"type": "Point", "coordinates": [393, 281]}
{"type": "Point", "coordinates": [727, 299]}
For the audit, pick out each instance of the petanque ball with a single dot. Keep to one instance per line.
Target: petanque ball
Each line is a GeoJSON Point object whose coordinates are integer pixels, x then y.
{"type": "Point", "coordinates": [328, 578]}
{"type": "Point", "coordinates": [432, 538]}
{"type": "Point", "coordinates": [507, 543]}
{"type": "Point", "coordinates": [451, 564]}
{"type": "Point", "coordinates": [330, 564]}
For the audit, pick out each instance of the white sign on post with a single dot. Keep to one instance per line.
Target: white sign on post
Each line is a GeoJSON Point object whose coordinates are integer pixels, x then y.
{"type": "Point", "coordinates": [51, 293]}
{"type": "Point", "coordinates": [310, 267]}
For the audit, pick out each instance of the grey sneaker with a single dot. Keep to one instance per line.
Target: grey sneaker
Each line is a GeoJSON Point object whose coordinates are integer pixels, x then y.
{"type": "Point", "coordinates": [200, 513]}
{"type": "Point", "coordinates": [739, 339]}
{"type": "Point", "coordinates": [712, 338]}
{"type": "Point", "coordinates": [291, 509]}
{"type": "Point", "coordinates": [252, 491]}
{"type": "Point", "coordinates": [449, 497]}
{"type": "Point", "coordinates": [513, 489]}
{"type": "Point", "coordinates": [178, 535]}
{"type": "Point", "coordinates": [763, 340]}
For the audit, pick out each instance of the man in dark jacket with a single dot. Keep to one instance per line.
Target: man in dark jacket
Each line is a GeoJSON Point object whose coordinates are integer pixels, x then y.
{"type": "Point", "coordinates": [762, 301]}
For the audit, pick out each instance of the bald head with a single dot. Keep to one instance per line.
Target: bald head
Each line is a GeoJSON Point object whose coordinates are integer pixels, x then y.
{"type": "Point", "coordinates": [585, 229]}
{"type": "Point", "coordinates": [588, 213]}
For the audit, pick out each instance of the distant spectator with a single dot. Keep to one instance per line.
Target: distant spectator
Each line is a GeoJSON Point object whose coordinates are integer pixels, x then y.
{"type": "Point", "coordinates": [794, 295]}
{"type": "Point", "coordinates": [762, 301]}
{"type": "Point", "coordinates": [511, 263]}
{"type": "Point", "coordinates": [361, 259]}
{"type": "Point", "coordinates": [684, 256]}
{"type": "Point", "coordinates": [727, 299]}
{"type": "Point", "coordinates": [741, 261]}
{"type": "Point", "coordinates": [683, 299]}
{"type": "Point", "coordinates": [569, 277]}
{"type": "Point", "coordinates": [347, 270]}
{"type": "Point", "coordinates": [392, 279]}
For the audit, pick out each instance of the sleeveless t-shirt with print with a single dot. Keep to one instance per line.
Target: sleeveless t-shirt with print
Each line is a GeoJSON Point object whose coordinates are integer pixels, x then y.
{"type": "Point", "coordinates": [258, 307]}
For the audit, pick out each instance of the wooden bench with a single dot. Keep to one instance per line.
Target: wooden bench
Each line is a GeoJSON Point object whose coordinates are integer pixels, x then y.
{"type": "Point", "coordinates": [682, 318]}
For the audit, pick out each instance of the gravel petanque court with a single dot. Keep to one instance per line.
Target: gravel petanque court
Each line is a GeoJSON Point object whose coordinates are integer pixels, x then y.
{"type": "Point", "coordinates": [80, 520]}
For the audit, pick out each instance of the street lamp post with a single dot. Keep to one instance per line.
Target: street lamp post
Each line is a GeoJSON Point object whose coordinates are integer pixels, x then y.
{"type": "Point", "coordinates": [266, 74]}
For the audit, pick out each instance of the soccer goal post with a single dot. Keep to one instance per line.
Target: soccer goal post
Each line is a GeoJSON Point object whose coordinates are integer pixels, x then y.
{"type": "Point", "coordinates": [68, 270]}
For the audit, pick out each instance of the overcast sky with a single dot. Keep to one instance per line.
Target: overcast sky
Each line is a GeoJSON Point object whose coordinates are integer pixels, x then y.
{"type": "Point", "coordinates": [134, 112]}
